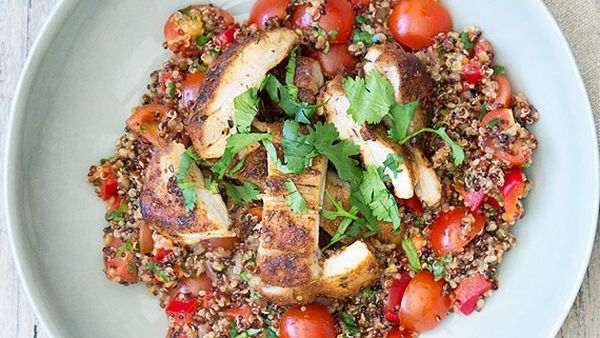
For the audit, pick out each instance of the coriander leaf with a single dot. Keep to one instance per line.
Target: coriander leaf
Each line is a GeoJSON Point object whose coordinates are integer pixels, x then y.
{"type": "Point", "coordinates": [234, 332]}
{"type": "Point", "coordinates": [370, 99]}
{"type": "Point", "coordinates": [272, 153]}
{"type": "Point", "coordinates": [290, 74]}
{"type": "Point", "coordinates": [499, 69]}
{"type": "Point", "coordinates": [117, 215]}
{"type": "Point", "coordinates": [464, 37]}
{"type": "Point", "coordinates": [379, 199]}
{"type": "Point", "coordinates": [366, 38]}
{"type": "Point", "coordinates": [360, 19]}
{"type": "Point", "coordinates": [247, 192]}
{"type": "Point", "coordinates": [494, 122]}
{"type": "Point", "coordinates": [235, 144]}
{"type": "Point", "coordinates": [245, 109]}
{"type": "Point", "coordinates": [126, 246]}
{"type": "Point", "coordinates": [348, 321]}
{"type": "Point", "coordinates": [393, 162]}
{"type": "Point", "coordinates": [298, 149]}
{"type": "Point", "coordinates": [370, 222]}
{"type": "Point", "coordinates": [411, 253]}
{"type": "Point", "coordinates": [401, 115]}
{"type": "Point", "coordinates": [237, 167]}
{"type": "Point", "coordinates": [369, 293]}
{"type": "Point", "coordinates": [189, 196]}
{"type": "Point", "coordinates": [296, 202]}
{"type": "Point", "coordinates": [457, 151]}
{"type": "Point", "coordinates": [438, 267]}
{"type": "Point", "coordinates": [483, 110]}
{"type": "Point", "coordinates": [188, 157]}
{"type": "Point", "coordinates": [342, 229]}
{"type": "Point", "coordinates": [211, 185]}
{"type": "Point", "coordinates": [203, 39]}
{"type": "Point", "coordinates": [340, 211]}
{"type": "Point", "coordinates": [300, 111]}
{"type": "Point", "coordinates": [152, 266]}
{"type": "Point", "coordinates": [339, 152]}
{"type": "Point", "coordinates": [271, 333]}
{"type": "Point", "coordinates": [171, 89]}
{"type": "Point", "coordinates": [340, 233]}
{"type": "Point", "coordinates": [244, 276]}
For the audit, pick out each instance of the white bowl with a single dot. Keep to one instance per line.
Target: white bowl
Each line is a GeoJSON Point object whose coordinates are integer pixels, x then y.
{"type": "Point", "coordinates": [90, 65]}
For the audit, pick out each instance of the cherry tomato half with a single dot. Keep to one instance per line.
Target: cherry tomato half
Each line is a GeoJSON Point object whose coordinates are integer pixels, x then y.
{"type": "Point", "coordinates": [311, 320]}
{"type": "Point", "coordinates": [414, 23]}
{"type": "Point", "coordinates": [191, 88]}
{"type": "Point", "coordinates": [503, 96]}
{"type": "Point", "coordinates": [469, 291]}
{"type": "Point", "coordinates": [182, 309]}
{"type": "Point", "coordinates": [447, 234]}
{"type": "Point", "coordinates": [118, 267]}
{"type": "Point", "coordinates": [396, 332]}
{"type": "Point", "coordinates": [144, 120]}
{"type": "Point", "coordinates": [395, 298]}
{"type": "Point", "coordinates": [264, 11]}
{"type": "Point", "coordinates": [336, 61]}
{"type": "Point", "coordinates": [337, 20]}
{"type": "Point", "coordinates": [108, 182]}
{"type": "Point", "coordinates": [512, 191]}
{"type": "Point", "coordinates": [504, 115]}
{"type": "Point", "coordinates": [424, 305]}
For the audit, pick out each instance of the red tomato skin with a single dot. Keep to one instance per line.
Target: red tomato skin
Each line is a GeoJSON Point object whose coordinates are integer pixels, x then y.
{"type": "Point", "coordinates": [337, 60]}
{"type": "Point", "coordinates": [339, 16]}
{"type": "Point", "coordinates": [414, 204]}
{"type": "Point", "coordinates": [233, 313]}
{"type": "Point", "coordinates": [472, 72]}
{"type": "Point", "coordinates": [414, 23]}
{"type": "Point", "coordinates": [446, 234]}
{"type": "Point", "coordinates": [228, 36]}
{"type": "Point", "coordinates": [394, 299]}
{"type": "Point", "coordinates": [424, 305]}
{"type": "Point", "coordinates": [181, 311]}
{"type": "Point", "coordinates": [396, 332]}
{"type": "Point", "coordinates": [503, 96]}
{"type": "Point", "coordinates": [160, 256]}
{"type": "Point", "coordinates": [147, 116]}
{"type": "Point", "coordinates": [314, 322]}
{"type": "Point", "coordinates": [264, 10]}
{"type": "Point", "coordinates": [493, 203]}
{"type": "Point", "coordinates": [118, 267]}
{"type": "Point", "coordinates": [512, 191]}
{"type": "Point", "coordinates": [503, 114]}
{"type": "Point", "coordinates": [191, 88]}
{"type": "Point", "coordinates": [469, 291]}
{"type": "Point", "coordinates": [108, 183]}
{"type": "Point", "coordinates": [474, 199]}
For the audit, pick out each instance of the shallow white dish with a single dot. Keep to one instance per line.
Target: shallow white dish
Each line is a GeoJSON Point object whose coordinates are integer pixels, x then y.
{"type": "Point", "coordinates": [89, 67]}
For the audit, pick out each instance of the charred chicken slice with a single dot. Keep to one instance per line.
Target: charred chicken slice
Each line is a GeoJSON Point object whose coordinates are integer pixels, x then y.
{"type": "Point", "coordinates": [163, 205]}
{"type": "Point", "coordinates": [242, 65]}
{"type": "Point", "coordinates": [288, 254]}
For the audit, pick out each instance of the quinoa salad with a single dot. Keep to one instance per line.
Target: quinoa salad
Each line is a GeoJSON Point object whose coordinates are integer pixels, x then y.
{"type": "Point", "coordinates": [327, 168]}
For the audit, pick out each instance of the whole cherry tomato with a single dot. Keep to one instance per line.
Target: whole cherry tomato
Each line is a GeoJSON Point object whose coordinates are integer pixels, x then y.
{"type": "Point", "coordinates": [265, 10]}
{"type": "Point", "coordinates": [336, 20]}
{"type": "Point", "coordinates": [338, 59]}
{"type": "Point", "coordinates": [424, 304]}
{"type": "Point", "coordinates": [304, 321]}
{"type": "Point", "coordinates": [414, 23]}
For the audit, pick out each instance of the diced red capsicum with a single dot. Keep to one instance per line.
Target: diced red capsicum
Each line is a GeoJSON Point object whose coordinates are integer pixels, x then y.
{"type": "Point", "coordinates": [108, 182]}
{"type": "Point", "coordinates": [228, 36]}
{"type": "Point", "coordinates": [472, 72]}
{"type": "Point", "coordinates": [395, 298]}
{"type": "Point", "coordinates": [161, 254]}
{"type": "Point", "coordinates": [512, 191]}
{"type": "Point", "coordinates": [474, 199]}
{"type": "Point", "coordinates": [414, 204]}
{"type": "Point", "coordinates": [181, 311]}
{"type": "Point", "coordinates": [469, 291]}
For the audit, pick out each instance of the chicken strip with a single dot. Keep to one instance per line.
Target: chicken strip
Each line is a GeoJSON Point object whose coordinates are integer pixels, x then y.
{"type": "Point", "coordinates": [308, 78]}
{"type": "Point", "coordinates": [288, 254]}
{"type": "Point", "coordinates": [163, 206]}
{"type": "Point", "coordinates": [374, 144]}
{"type": "Point", "coordinates": [411, 82]}
{"type": "Point", "coordinates": [242, 65]}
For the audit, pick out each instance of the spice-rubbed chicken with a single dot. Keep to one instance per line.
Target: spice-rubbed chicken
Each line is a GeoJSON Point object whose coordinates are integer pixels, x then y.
{"type": "Point", "coordinates": [288, 254]}
{"type": "Point", "coordinates": [242, 65]}
{"type": "Point", "coordinates": [163, 206]}
{"type": "Point", "coordinates": [411, 82]}
{"type": "Point", "coordinates": [374, 144]}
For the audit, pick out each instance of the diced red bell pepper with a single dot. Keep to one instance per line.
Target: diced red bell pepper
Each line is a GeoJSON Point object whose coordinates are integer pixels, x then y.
{"type": "Point", "coordinates": [474, 199]}
{"type": "Point", "coordinates": [512, 191]}
{"type": "Point", "coordinates": [469, 291]}
{"type": "Point", "coordinates": [161, 254]}
{"type": "Point", "coordinates": [472, 72]}
{"type": "Point", "coordinates": [396, 332]}
{"type": "Point", "coordinates": [395, 298]}
{"type": "Point", "coordinates": [108, 182]}
{"type": "Point", "coordinates": [181, 311]}
{"type": "Point", "coordinates": [414, 204]}
{"type": "Point", "coordinates": [233, 313]}
{"type": "Point", "coordinates": [493, 202]}
{"type": "Point", "coordinates": [228, 36]}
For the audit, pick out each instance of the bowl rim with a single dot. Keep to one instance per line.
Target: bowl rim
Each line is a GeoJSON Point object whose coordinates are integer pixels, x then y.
{"type": "Point", "coordinates": [48, 32]}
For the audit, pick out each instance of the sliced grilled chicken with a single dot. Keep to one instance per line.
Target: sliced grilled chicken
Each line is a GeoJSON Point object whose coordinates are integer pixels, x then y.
{"type": "Point", "coordinates": [374, 144]}
{"type": "Point", "coordinates": [254, 168]}
{"type": "Point", "coordinates": [309, 78]}
{"type": "Point", "coordinates": [288, 254]}
{"type": "Point", "coordinates": [243, 65]}
{"type": "Point", "coordinates": [163, 206]}
{"type": "Point", "coordinates": [410, 81]}
{"type": "Point", "coordinates": [348, 270]}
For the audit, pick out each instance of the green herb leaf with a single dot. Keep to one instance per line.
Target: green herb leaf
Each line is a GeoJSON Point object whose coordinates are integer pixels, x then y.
{"type": "Point", "coordinates": [152, 266]}
{"type": "Point", "coordinates": [189, 196]}
{"type": "Point", "coordinates": [244, 276]}
{"type": "Point", "coordinates": [280, 94]}
{"type": "Point", "coordinates": [171, 88]}
{"type": "Point", "coordinates": [290, 74]}
{"type": "Point", "coordinates": [369, 293]}
{"type": "Point", "coordinates": [247, 192]}
{"type": "Point", "coordinates": [366, 38]}
{"type": "Point", "coordinates": [296, 202]}
{"type": "Point", "coordinates": [411, 253]}
{"type": "Point", "coordinates": [340, 211]}
{"type": "Point", "coordinates": [457, 151]}
{"type": "Point", "coordinates": [438, 267]}
{"type": "Point", "coordinates": [393, 162]}
{"type": "Point", "coordinates": [186, 11]}
{"type": "Point", "coordinates": [348, 321]}
{"type": "Point", "coordinates": [126, 246]}
{"type": "Point", "coordinates": [234, 332]}
{"type": "Point", "coordinates": [298, 149]}
{"type": "Point", "coordinates": [235, 144]}
{"type": "Point", "coordinates": [237, 167]}
{"type": "Point", "coordinates": [379, 199]}
{"type": "Point", "coordinates": [401, 115]}
{"type": "Point", "coordinates": [464, 37]}
{"type": "Point", "coordinates": [339, 152]}
{"type": "Point", "coordinates": [361, 19]}
{"type": "Point", "coordinates": [483, 110]}
{"type": "Point", "coordinates": [211, 185]}
{"type": "Point", "coordinates": [245, 109]}
{"type": "Point", "coordinates": [499, 69]}
{"type": "Point", "coordinates": [272, 152]}
{"type": "Point", "coordinates": [370, 99]}
{"type": "Point", "coordinates": [493, 122]}
{"type": "Point", "coordinates": [117, 215]}
{"type": "Point", "coordinates": [203, 39]}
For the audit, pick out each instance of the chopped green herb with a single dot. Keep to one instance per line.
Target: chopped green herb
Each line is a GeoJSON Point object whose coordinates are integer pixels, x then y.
{"type": "Point", "coordinates": [438, 267]}
{"type": "Point", "coordinates": [244, 276]}
{"type": "Point", "coordinates": [379, 199]}
{"type": "Point", "coordinates": [499, 69]}
{"type": "Point", "coordinates": [247, 192]}
{"type": "Point", "coordinates": [348, 321]}
{"type": "Point", "coordinates": [245, 109]}
{"type": "Point", "coordinates": [340, 211]}
{"type": "Point", "coordinates": [342, 230]}
{"type": "Point", "coordinates": [457, 151]}
{"type": "Point", "coordinates": [171, 88]}
{"type": "Point", "coordinates": [361, 19]}
{"type": "Point", "coordinates": [370, 98]}
{"type": "Point", "coordinates": [189, 196]}
{"type": "Point", "coordinates": [213, 52]}
{"type": "Point", "coordinates": [366, 38]}
{"type": "Point", "coordinates": [369, 293]}
{"type": "Point", "coordinates": [526, 165]}
{"type": "Point", "coordinates": [126, 246]}
{"type": "Point", "coordinates": [203, 39]}
{"type": "Point", "coordinates": [339, 152]}
{"type": "Point", "coordinates": [234, 332]}
{"type": "Point", "coordinates": [237, 167]}
{"type": "Point", "coordinates": [290, 74]}
{"type": "Point", "coordinates": [280, 94]}
{"type": "Point", "coordinates": [117, 215]}
{"type": "Point", "coordinates": [298, 149]}
{"type": "Point", "coordinates": [294, 199]}
{"type": "Point", "coordinates": [494, 122]}
{"type": "Point", "coordinates": [248, 333]}
{"type": "Point", "coordinates": [400, 117]}
{"type": "Point", "coordinates": [152, 266]}
{"type": "Point", "coordinates": [393, 162]}
{"type": "Point", "coordinates": [186, 11]}
{"type": "Point", "coordinates": [411, 253]}
{"type": "Point", "coordinates": [466, 40]}
{"type": "Point", "coordinates": [235, 144]}
{"type": "Point", "coordinates": [483, 110]}
{"type": "Point", "coordinates": [201, 67]}
{"type": "Point", "coordinates": [133, 268]}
